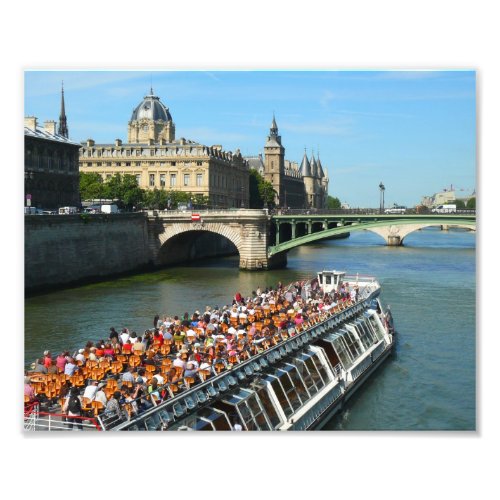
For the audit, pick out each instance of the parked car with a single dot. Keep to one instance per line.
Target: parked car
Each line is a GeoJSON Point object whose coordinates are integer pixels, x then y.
{"type": "Point", "coordinates": [92, 209]}
{"type": "Point", "coordinates": [396, 209]}
{"type": "Point", "coordinates": [67, 210]}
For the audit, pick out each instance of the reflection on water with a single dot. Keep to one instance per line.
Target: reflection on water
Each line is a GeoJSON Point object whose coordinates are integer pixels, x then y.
{"type": "Point", "coordinates": [429, 283]}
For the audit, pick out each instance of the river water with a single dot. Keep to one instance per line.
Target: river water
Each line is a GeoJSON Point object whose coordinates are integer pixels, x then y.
{"type": "Point", "coordinates": [430, 284]}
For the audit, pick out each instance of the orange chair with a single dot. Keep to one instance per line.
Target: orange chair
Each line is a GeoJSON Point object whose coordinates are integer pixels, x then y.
{"type": "Point", "coordinates": [86, 405]}
{"type": "Point", "coordinates": [134, 360]}
{"type": "Point", "coordinates": [150, 368]}
{"type": "Point", "coordinates": [116, 367]}
{"type": "Point", "coordinates": [165, 349]}
{"type": "Point", "coordinates": [219, 367]}
{"type": "Point", "coordinates": [204, 374]}
{"type": "Point", "coordinates": [97, 406]}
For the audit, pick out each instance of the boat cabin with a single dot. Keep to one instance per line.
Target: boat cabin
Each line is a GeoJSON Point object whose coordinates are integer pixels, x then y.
{"type": "Point", "coordinates": [330, 280]}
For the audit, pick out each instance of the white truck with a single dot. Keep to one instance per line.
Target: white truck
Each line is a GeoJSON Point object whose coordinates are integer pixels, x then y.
{"type": "Point", "coordinates": [444, 209]}
{"type": "Point", "coordinates": [109, 209]}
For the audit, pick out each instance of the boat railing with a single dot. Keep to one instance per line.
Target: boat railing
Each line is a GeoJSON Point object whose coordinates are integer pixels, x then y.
{"type": "Point", "coordinates": [36, 420]}
{"type": "Point", "coordinates": [250, 366]}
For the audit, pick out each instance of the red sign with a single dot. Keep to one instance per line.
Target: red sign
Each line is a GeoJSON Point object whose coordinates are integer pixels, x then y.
{"type": "Point", "coordinates": [195, 217]}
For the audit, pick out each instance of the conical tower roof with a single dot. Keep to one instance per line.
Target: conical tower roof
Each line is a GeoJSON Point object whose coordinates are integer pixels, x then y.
{"type": "Point", "coordinates": [305, 167]}
{"type": "Point", "coordinates": [314, 167]}
{"type": "Point", "coordinates": [320, 169]}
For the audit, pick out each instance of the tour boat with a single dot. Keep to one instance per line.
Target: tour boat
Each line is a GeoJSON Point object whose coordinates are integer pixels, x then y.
{"type": "Point", "coordinates": [298, 383]}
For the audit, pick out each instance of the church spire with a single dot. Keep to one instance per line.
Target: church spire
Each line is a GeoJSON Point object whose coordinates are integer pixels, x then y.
{"type": "Point", "coordinates": [63, 125]}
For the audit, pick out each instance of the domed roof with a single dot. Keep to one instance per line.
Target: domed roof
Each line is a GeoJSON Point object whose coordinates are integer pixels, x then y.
{"type": "Point", "coordinates": [151, 108]}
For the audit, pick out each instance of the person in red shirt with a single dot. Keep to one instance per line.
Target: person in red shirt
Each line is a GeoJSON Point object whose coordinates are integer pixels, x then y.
{"type": "Point", "coordinates": [47, 359]}
{"type": "Point", "coordinates": [127, 347]}
{"type": "Point", "coordinates": [158, 337]}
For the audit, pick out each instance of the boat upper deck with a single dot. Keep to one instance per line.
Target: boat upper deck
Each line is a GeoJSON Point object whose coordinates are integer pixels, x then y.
{"type": "Point", "coordinates": [174, 376]}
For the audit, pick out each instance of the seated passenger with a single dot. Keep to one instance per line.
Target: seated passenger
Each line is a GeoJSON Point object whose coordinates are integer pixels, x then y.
{"type": "Point", "coordinates": [113, 406]}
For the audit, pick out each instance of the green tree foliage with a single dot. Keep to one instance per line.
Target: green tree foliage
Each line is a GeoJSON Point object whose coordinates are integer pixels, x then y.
{"type": "Point", "coordinates": [333, 203]}
{"type": "Point", "coordinates": [471, 203]}
{"type": "Point", "coordinates": [91, 186]}
{"type": "Point", "coordinates": [459, 203]}
{"type": "Point", "coordinates": [262, 193]}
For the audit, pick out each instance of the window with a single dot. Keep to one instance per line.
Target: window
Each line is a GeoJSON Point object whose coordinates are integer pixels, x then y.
{"type": "Point", "coordinates": [199, 180]}
{"type": "Point", "coordinates": [138, 179]}
{"type": "Point", "coordinates": [199, 163]}
{"type": "Point", "coordinates": [127, 164]}
{"type": "Point", "coordinates": [151, 180]}
{"type": "Point", "coordinates": [173, 180]}
{"type": "Point", "coordinates": [162, 180]}
{"type": "Point", "coordinates": [186, 179]}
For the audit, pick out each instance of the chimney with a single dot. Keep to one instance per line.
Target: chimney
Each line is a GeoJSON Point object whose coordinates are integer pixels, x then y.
{"type": "Point", "coordinates": [118, 142]}
{"type": "Point", "coordinates": [30, 122]}
{"type": "Point", "coordinates": [50, 126]}
{"type": "Point", "coordinates": [90, 142]}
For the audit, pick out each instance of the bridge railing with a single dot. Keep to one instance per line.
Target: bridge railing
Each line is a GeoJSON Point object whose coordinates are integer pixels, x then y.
{"type": "Point", "coordinates": [359, 211]}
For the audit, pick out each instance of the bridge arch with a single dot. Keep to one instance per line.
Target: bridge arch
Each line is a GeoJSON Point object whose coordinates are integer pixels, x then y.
{"type": "Point", "coordinates": [394, 234]}
{"type": "Point", "coordinates": [182, 242]}
{"type": "Point", "coordinates": [182, 236]}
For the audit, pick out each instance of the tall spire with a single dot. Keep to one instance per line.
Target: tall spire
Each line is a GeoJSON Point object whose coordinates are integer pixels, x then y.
{"type": "Point", "coordinates": [63, 124]}
{"type": "Point", "coordinates": [274, 127]}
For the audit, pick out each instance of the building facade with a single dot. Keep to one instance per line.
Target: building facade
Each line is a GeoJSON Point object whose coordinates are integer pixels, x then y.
{"type": "Point", "coordinates": [158, 160]}
{"type": "Point", "coordinates": [304, 186]}
{"type": "Point", "coordinates": [51, 177]}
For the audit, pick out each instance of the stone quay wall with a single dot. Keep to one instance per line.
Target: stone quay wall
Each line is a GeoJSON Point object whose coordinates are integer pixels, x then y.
{"type": "Point", "coordinates": [69, 250]}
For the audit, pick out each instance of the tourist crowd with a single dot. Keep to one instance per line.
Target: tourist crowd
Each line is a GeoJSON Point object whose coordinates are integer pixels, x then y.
{"type": "Point", "coordinates": [125, 373]}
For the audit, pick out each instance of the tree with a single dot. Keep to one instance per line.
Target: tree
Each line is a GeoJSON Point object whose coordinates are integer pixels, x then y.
{"type": "Point", "coordinates": [91, 186]}
{"type": "Point", "coordinates": [131, 194]}
{"type": "Point", "coordinates": [471, 203]}
{"type": "Point", "coordinates": [333, 203]}
{"type": "Point", "coordinates": [459, 203]}
{"type": "Point", "coordinates": [262, 193]}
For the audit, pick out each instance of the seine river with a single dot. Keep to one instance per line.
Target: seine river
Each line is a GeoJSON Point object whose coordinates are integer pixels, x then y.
{"type": "Point", "coordinates": [430, 284]}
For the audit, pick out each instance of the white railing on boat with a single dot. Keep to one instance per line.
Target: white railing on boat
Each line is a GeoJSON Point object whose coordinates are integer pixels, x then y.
{"type": "Point", "coordinates": [35, 420]}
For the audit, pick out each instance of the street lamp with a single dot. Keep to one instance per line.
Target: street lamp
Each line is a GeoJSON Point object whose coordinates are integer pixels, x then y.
{"type": "Point", "coordinates": [382, 189]}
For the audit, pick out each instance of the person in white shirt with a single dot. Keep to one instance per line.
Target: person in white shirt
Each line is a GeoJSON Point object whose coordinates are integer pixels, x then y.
{"type": "Point", "coordinates": [100, 395]}
{"type": "Point", "coordinates": [124, 336]}
{"type": "Point", "coordinates": [178, 361]}
{"type": "Point", "coordinates": [90, 390]}
{"type": "Point", "coordinates": [80, 356]}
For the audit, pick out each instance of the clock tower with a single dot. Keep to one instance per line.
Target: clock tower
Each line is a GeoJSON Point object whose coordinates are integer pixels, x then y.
{"type": "Point", "coordinates": [274, 162]}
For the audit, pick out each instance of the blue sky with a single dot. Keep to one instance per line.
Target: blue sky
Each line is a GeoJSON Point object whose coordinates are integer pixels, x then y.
{"type": "Point", "coordinates": [413, 130]}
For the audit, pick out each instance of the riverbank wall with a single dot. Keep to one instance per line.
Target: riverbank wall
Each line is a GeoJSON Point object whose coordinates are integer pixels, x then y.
{"type": "Point", "coordinates": [62, 251]}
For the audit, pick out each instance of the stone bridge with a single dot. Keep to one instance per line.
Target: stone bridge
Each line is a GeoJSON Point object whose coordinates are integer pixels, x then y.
{"type": "Point", "coordinates": [178, 236]}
